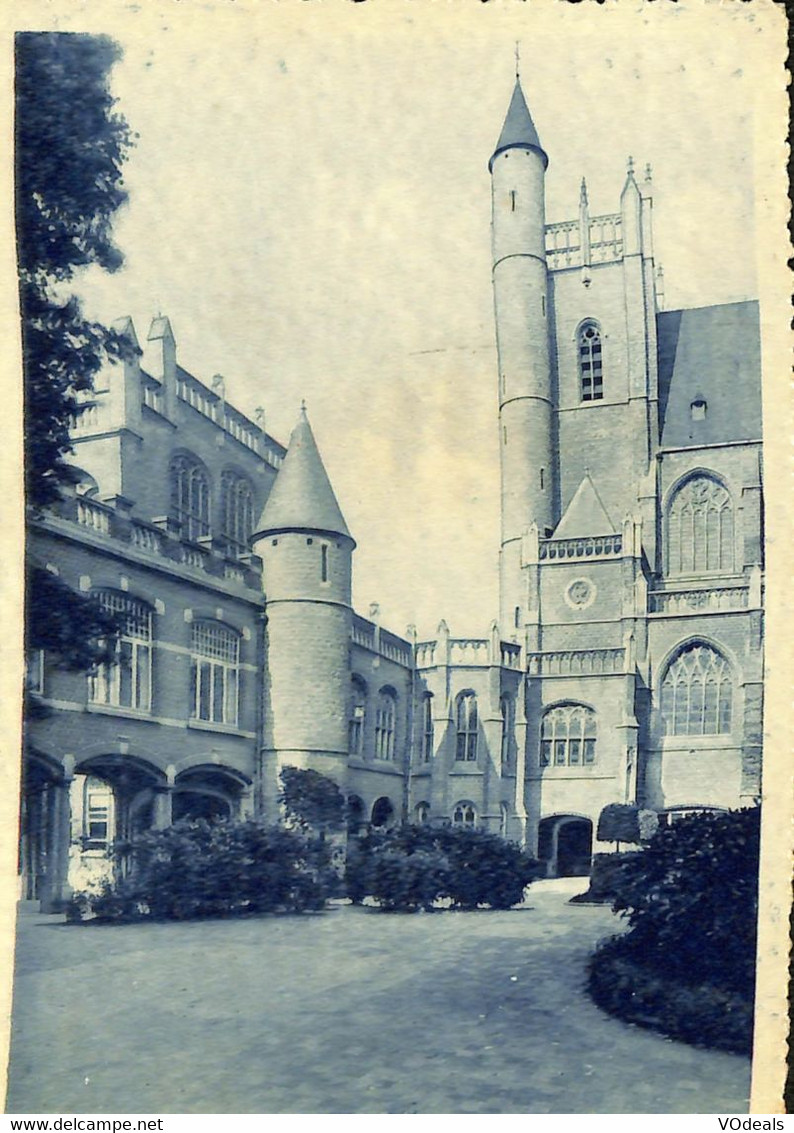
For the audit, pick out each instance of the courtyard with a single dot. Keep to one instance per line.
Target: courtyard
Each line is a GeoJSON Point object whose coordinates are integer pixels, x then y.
{"type": "Point", "coordinates": [347, 1011]}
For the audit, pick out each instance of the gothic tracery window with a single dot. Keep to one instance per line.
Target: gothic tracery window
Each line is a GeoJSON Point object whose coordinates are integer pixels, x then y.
{"type": "Point", "coordinates": [190, 497]}
{"type": "Point", "coordinates": [697, 693]}
{"type": "Point", "coordinates": [506, 710]}
{"type": "Point", "coordinates": [464, 814]}
{"type": "Point", "coordinates": [467, 728]}
{"type": "Point", "coordinates": [568, 736]}
{"type": "Point", "coordinates": [700, 530]}
{"type": "Point", "coordinates": [237, 506]}
{"type": "Point", "coordinates": [591, 373]}
{"type": "Point", "coordinates": [385, 714]}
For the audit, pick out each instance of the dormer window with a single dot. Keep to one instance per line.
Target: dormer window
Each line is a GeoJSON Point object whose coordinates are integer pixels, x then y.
{"type": "Point", "coordinates": [698, 408]}
{"type": "Point", "coordinates": [591, 374]}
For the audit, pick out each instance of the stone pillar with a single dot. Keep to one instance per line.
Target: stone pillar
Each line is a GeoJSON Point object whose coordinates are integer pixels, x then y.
{"type": "Point", "coordinates": [55, 890]}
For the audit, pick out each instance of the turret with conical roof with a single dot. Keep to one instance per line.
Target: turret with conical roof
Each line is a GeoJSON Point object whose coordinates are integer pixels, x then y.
{"type": "Point", "coordinates": [306, 551]}
{"type": "Point", "coordinates": [519, 130]}
{"type": "Point", "coordinates": [520, 281]}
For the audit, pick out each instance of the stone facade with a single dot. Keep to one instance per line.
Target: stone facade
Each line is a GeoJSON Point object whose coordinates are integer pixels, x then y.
{"type": "Point", "coordinates": [626, 663]}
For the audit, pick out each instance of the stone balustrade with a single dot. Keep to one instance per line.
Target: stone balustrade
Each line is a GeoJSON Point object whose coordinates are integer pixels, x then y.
{"type": "Point", "coordinates": [589, 547]}
{"type": "Point", "coordinates": [698, 601]}
{"type": "Point", "coordinates": [577, 662]}
{"type": "Point", "coordinates": [370, 636]}
{"type": "Point", "coordinates": [116, 525]}
{"type": "Point", "coordinates": [94, 515]}
{"type": "Point", "coordinates": [563, 241]}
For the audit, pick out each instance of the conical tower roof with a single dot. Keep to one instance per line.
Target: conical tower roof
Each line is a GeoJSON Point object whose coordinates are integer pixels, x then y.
{"type": "Point", "coordinates": [519, 129]}
{"type": "Point", "coordinates": [302, 498]}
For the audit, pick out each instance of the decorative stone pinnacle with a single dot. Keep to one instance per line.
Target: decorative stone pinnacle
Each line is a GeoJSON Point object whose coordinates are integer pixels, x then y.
{"type": "Point", "coordinates": [630, 166]}
{"type": "Point", "coordinates": [648, 173]}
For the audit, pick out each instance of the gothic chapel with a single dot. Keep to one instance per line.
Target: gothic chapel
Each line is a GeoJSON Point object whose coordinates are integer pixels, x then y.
{"type": "Point", "coordinates": [626, 662]}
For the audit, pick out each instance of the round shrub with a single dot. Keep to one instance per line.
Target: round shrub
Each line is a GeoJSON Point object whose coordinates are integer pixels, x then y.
{"type": "Point", "coordinates": [407, 881]}
{"type": "Point", "coordinates": [481, 869]}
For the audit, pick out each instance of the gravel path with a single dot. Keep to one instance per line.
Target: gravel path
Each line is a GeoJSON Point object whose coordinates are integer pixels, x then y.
{"type": "Point", "coordinates": [351, 1011]}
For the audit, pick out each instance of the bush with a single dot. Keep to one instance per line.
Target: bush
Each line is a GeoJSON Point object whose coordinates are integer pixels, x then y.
{"type": "Point", "coordinates": [408, 881]}
{"type": "Point", "coordinates": [468, 867]}
{"type": "Point", "coordinates": [311, 801]}
{"type": "Point", "coordinates": [605, 878]}
{"type": "Point", "coordinates": [199, 869]}
{"type": "Point", "coordinates": [687, 964]}
{"type": "Point", "coordinates": [691, 899]}
{"type": "Point", "coordinates": [700, 1014]}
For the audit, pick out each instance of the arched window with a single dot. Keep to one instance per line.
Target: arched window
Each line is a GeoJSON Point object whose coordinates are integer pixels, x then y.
{"type": "Point", "coordinates": [428, 738]}
{"type": "Point", "coordinates": [382, 811]}
{"type": "Point", "coordinates": [591, 373]}
{"type": "Point", "coordinates": [190, 497]}
{"type": "Point", "coordinates": [697, 693]}
{"type": "Point", "coordinates": [464, 814]}
{"type": "Point", "coordinates": [237, 512]}
{"type": "Point", "coordinates": [504, 815]}
{"type": "Point", "coordinates": [358, 715]}
{"type": "Point", "coordinates": [506, 747]}
{"type": "Point", "coordinates": [467, 728]}
{"type": "Point", "coordinates": [385, 714]}
{"type": "Point", "coordinates": [700, 536]}
{"type": "Point", "coordinates": [126, 679]}
{"type": "Point", "coordinates": [214, 673]}
{"type": "Point", "coordinates": [421, 813]}
{"type": "Point", "coordinates": [568, 736]}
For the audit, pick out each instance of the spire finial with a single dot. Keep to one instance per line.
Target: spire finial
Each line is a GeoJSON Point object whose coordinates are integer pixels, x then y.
{"type": "Point", "coordinates": [583, 192]}
{"type": "Point", "coordinates": [648, 173]}
{"type": "Point", "coordinates": [303, 406]}
{"type": "Point", "coordinates": [518, 60]}
{"type": "Point", "coordinates": [630, 167]}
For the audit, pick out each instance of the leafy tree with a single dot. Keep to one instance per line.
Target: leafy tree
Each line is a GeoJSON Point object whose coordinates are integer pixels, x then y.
{"type": "Point", "coordinates": [311, 801]}
{"type": "Point", "coordinates": [70, 147]}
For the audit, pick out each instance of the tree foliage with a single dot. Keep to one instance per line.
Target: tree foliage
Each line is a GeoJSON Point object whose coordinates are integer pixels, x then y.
{"type": "Point", "coordinates": [70, 147]}
{"type": "Point", "coordinates": [311, 801]}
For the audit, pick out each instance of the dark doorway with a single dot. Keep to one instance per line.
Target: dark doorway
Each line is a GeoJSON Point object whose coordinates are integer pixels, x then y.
{"type": "Point", "coordinates": [193, 804]}
{"type": "Point", "coordinates": [565, 844]}
{"type": "Point", "coordinates": [382, 811]}
{"type": "Point", "coordinates": [574, 847]}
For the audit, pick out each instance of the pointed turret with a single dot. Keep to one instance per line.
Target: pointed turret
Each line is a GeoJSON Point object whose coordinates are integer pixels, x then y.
{"type": "Point", "coordinates": [302, 498]}
{"type": "Point", "coordinates": [519, 130]}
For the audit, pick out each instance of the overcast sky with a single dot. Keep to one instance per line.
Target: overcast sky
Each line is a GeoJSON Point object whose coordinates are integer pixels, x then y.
{"type": "Point", "coordinates": [309, 204]}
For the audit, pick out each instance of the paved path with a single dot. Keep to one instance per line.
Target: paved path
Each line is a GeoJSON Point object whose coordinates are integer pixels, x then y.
{"type": "Point", "coordinates": [352, 1011]}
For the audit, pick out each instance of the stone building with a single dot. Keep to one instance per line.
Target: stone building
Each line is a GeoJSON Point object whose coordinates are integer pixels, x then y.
{"type": "Point", "coordinates": [626, 660]}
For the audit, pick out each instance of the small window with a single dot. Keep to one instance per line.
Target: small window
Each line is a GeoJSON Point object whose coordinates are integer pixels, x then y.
{"type": "Point", "coordinates": [543, 306]}
{"type": "Point", "coordinates": [98, 816]}
{"type": "Point", "coordinates": [324, 563]}
{"type": "Point", "coordinates": [34, 671]}
{"type": "Point", "coordinates": [517, 617]}
{"type": "Point", "coordinates": [698, 409]}
{"type": "Point", "coordinates": [421, 813]}
{"type": "Point", "coordinates": [512, 200]}
{"type": "Point", "coordinates": [506, 709]}
{"type": "Point", "coordinates": [358, 712]}
{"type": "Point", "coordinates": [542, 477]}
{"type": "Point", "coordinates": [428, 739]}
{"type": "Point", "coordinates": [591, 373]}
{"type": "Point", "coordinates": [464, 814]}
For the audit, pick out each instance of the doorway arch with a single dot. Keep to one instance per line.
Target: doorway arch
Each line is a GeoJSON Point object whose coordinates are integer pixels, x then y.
{"type": "Point", "coordinates": [565, 845]}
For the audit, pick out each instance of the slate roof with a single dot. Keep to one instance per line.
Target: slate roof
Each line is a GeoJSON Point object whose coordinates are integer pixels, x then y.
{"type": "Point", "coordinates": [713, 354]}
{"type": "Point", "coordinates": [519, 129]}
{"type": "Point", "coordinates": [302, 498]}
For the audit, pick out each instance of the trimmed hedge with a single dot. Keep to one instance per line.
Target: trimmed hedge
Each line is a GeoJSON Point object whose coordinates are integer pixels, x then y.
{"type": "Point", "coordinates": [415, 866]}
{"type": "Point", "coordinates": [204, 869]}
{"type": "Point", "coordinates": [687, 964]}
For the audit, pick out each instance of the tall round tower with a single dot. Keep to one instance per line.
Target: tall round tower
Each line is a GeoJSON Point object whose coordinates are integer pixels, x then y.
{"type": "Point", "coordinates": [520, 281]}
{"type": "Point", "coordinates": [306, 551]}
